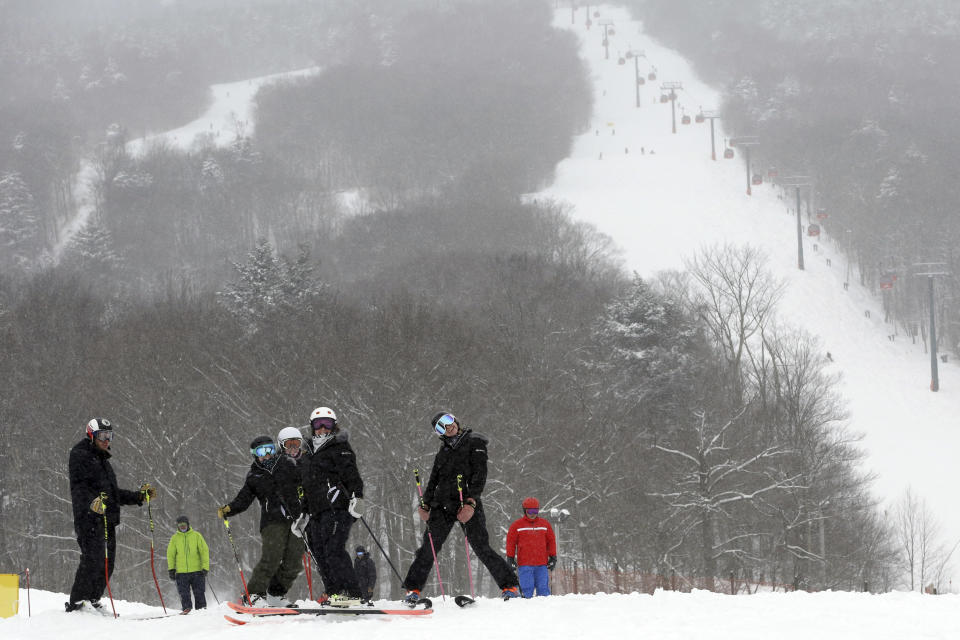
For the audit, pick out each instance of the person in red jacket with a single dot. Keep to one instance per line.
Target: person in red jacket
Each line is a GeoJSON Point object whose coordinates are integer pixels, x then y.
{"type": "Point", "coordinates": [532, 545]}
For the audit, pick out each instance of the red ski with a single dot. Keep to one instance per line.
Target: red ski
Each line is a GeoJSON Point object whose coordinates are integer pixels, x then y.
{"type": "Point", "coordinates": [326, 611]}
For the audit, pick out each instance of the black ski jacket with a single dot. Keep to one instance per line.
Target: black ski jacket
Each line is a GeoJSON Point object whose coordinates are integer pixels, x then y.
{"type": "Point", "coordinates": [90, 475]}
{"type": "Point", "coordinates": [275, 488]}
{"type": "Point", "coordinates": [330, 477]}
{"type": "Point", "coordinates": [464, 454]}
{"type": "Point", "coordinates": [366, 572]}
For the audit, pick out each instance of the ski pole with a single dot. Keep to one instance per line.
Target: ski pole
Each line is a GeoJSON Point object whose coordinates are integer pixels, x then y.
{"type": "Point", "coordinates": [305, 559]}
{"type": "Point", "coordinates": [213, 592]}
{"type": "Point", "coordinates": [466, 543]}
{"type": "Point", "coordinates": [106, 551]}
{"type": "Point", "coordinates": [433, 549]}
{"type": "Point", "coordinates": [236, 556]}
{"type": "Point", "coordinates": [152, 544]}
{"type": "Point", "coordinates": [377, 542]}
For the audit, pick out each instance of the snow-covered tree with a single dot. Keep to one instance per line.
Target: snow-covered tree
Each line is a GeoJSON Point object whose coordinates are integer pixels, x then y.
{"type": "Point", "coordinates": [19, 227]}
{"type": "Point", "coordinates": [267, 284]}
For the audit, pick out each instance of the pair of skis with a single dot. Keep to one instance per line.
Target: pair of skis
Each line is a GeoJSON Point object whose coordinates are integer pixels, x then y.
{"type": "Point", "coordinates": [424, 604]}
{"type": "Point", "coordinates": [260, 612]}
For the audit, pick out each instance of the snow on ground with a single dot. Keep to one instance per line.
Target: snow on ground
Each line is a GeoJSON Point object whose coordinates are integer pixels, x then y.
{"type": "Point", "coordinates": [664, 616]}
{"type": "Point", "coordinates": [229, 114]}
{"type": "Point", "coordinates": [663, 205]}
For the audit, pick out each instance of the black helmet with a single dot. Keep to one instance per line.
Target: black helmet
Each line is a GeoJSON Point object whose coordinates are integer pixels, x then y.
{"type": "Point", "coordinates": [260, 441]}
{"type": "Point", "coordinates": [359, 549]}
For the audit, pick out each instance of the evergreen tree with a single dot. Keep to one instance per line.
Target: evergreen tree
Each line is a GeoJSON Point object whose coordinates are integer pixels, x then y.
{"type": "Point", "coordinates": [268, 284]}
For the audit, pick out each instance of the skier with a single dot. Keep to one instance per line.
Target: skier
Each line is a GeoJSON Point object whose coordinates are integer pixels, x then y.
{"type": "Point", "coordinates": [334, 492]}
{"type": "Point", "coordinates": [272, 480]}
{"type": "Point", "coordinates": [96, 502]}
{"type": "Point", "coordinates": [366, 573]}
{"type": "Point", "coordinates": [188, 561]}
{"type": "Point", "coordinates": [532, 545]}
{"type": "Point", "coordinates": [463, 455]}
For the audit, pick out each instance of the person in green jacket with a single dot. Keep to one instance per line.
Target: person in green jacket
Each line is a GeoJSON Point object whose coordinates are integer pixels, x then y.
{"type": "Point", "coordinates": [188, 561]}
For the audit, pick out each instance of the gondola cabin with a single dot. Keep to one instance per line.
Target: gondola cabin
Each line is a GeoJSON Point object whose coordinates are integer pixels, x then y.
{"type": "Point", "coordinates": [822, 214]}
{"type": "Point", "coordinates": [772, 172]}
{"type": "Point", "coordinates": [699, 118]}
{"type": "Point", "coordinates": [664, 98]}
{"type": "Point", "coordinates": [622, 60]}
{"type": "Point", "coordinates": [728, 153]}
{"type": "Point", "coordinates": [887, 280]}
{"type": "Point", "coordinates": [640, 80]}
{"type": "Point", "coordinates": [651, 76]}
{"type": "Point", "coordinates": [685, 120]}
{"type": "Point", "coordinates": [813, 230]}
{"type": "Point", "coordinates": [757, 179]}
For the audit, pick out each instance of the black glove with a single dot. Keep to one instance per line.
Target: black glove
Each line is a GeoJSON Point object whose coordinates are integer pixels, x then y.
{"type": "Point", "coordinates": [173, 574]}
{"type": "Point", "coordinates": [513, 562]}
{"type": "Point", "coordinates": [551, 563]}
{"type": "Point", "coordinates": [204, 572]}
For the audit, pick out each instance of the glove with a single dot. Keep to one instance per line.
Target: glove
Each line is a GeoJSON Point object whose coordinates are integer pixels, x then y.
{"type": "Point", "coordinates": [512, 562]}
{"type": "Point", "coordinates": [204, 572]}
{"type": "Point", "coordinates": [424, 513]}
{"type": "Point", "coordinates": [300, 524]}
{"type": "Point", "coordinates": [147, 490]}
{"type": "Point", "coordinates": [98, 506]}
{"type": "Point", "coordinates": [355, 508]}
{"type": "Point", "coordinates": [551, 563]}
{"type": "Point", "coordinates": [465, 513]}
{"type": "Point", "coordinates": [223, 511]}
{"type": "Point", "coordinates": [173, 574]}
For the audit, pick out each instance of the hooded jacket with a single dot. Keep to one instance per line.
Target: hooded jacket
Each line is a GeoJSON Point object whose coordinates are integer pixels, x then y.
{"type": "Point", "coordinates": [463, 454]}
{"type": "Point", "coordinates": [531, 542]}
{"type": "Point", "coordinates": [330, 476]}
{"type": "Point", "coordinates": [276, 489]}
{"type": "Point", "coordinates": [90, 475]}
{"type": "Point", "coordinates": [187, 552]}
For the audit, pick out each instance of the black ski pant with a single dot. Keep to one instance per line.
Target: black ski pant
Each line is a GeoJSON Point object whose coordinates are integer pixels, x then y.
{"type": "Point", "coordinates": [90, 580]}
{"type": "Point", "coordinates": [196, 582]}
{"type": "Point", "coordinates": [328, 533]}
{"type": "Point", "coordinates": [280, 561]}
{"type": "Point", "coordinates": [440, 524]}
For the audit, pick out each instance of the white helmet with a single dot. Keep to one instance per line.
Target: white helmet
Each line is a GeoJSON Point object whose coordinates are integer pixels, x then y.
{"type": "Point", "coordinates": [323, 412]}
{"type": "Point", "coordinates": [288, 433]}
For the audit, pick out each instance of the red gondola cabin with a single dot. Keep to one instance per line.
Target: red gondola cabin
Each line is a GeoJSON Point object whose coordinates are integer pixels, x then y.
{"type": "Point", "coordinates": [728, 153]}
{"type": "Point", "coordinates": [685, 120]}
{"type": "Point", "coordinates": [813, 230]}
{"type": "Point", "coordinates": [757, 179]}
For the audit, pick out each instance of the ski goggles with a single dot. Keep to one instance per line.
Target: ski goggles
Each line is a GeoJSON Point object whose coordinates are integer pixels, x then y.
{"type": "Point", "coordinates": [292, 444]}
{"type": "Point", "coordinates": [532, 512]}
{"type": "Point", "coordinates": [443, 422]}
{"type": "Point", "coordinates": [183, 526]}
{"type": "Point", "coordinates": [103, 435]}
{"type": "Point", "coordinates": [264, 449]}
{"type": "Point", "coordinates": [322, 423]}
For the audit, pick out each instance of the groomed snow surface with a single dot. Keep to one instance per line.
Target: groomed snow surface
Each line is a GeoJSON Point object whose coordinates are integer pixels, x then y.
{"type": "Point", "coordinates": [665, 615]}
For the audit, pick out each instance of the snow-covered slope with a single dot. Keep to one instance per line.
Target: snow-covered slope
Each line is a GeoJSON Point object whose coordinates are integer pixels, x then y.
{"type": "Point", "coordinates": [666, 203]}
{"type": "Point", "coordinates": [664, 616]}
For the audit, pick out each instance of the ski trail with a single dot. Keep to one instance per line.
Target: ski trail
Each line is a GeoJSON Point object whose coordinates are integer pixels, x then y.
{"type": "Point", "coordinates": [229, 114]}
